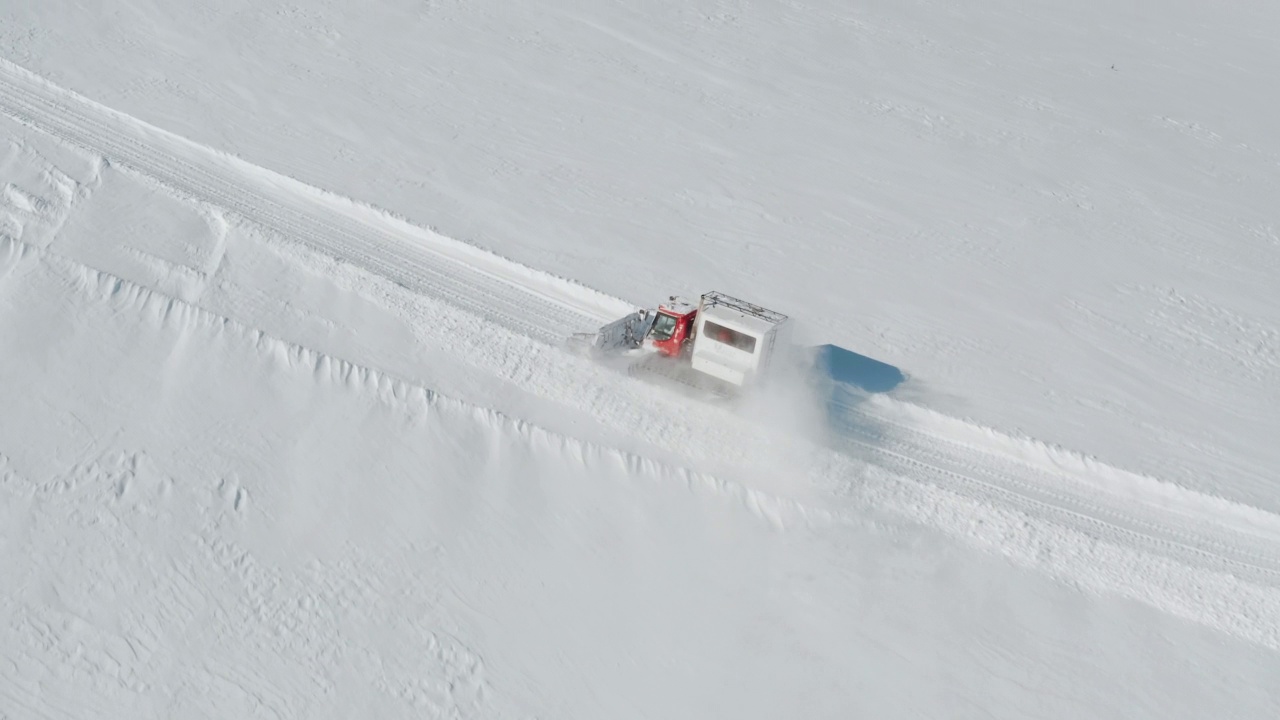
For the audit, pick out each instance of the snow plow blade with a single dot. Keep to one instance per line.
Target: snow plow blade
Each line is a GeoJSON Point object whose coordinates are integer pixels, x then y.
{"type": "Point", "coordinates": [625, 333]}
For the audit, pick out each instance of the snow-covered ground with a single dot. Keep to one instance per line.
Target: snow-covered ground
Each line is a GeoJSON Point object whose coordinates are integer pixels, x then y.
{"type": "Point", "coordinates": [271, 447]}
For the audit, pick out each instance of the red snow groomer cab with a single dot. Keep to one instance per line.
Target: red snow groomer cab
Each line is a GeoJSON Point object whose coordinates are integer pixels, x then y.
{"type": "Point", "coordinates": [672, 328]}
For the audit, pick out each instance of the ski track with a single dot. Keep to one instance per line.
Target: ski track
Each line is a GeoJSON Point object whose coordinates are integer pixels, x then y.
{"type": "Point", "coordinates": [1206, 532]}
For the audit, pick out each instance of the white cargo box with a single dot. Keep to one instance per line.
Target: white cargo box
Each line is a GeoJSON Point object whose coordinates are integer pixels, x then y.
{"type": "Point", "coordinates": [735, 340]}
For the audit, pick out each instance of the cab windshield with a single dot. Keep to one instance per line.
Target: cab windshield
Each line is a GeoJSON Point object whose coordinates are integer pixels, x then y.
{"type": "Point", "coordinates": [664, 326]}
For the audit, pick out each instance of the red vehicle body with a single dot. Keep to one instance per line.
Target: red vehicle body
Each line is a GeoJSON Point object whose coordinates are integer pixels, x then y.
{"type": "Point", "coordinates": [673, 329]}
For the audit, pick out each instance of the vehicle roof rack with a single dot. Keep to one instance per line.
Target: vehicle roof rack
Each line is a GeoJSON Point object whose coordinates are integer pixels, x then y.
{"type": "Point", "coordinates": [716, 297]}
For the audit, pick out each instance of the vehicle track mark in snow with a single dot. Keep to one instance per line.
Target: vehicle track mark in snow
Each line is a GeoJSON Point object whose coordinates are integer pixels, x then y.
{"type": "Point", "coordinates": [1106, 524]}
{"type": "Point", "coordinates": [1201, 530]}
{"type": "Point", "coordinates": [1069, 548]}
{"type": "Point", "coordinates": [285, 206]}
{"type": "Point", "coordinates": [123, 294]}
{"type": "Point", "coordinates": [207, 178]}
{"type": "Point", "coordinates": [539, 307]}
{"type": "Point", "coordinates": [518, 297]}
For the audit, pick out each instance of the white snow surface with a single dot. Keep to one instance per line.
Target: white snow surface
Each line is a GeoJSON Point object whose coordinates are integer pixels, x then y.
{"type": "Point", "coordinates": [287, 428]}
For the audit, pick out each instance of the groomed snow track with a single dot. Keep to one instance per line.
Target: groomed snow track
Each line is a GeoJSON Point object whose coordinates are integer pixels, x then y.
{"type": "Point", "coordinates": [415, 258]}
{"type": "Point", "coordinates": [1134, 513]}
{"type": "Point", "coordinates": [1203, 540]}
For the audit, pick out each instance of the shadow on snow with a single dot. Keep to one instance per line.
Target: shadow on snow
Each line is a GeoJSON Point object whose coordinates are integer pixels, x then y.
{"type": "Point", "coordinates": [845, 367]}
{"type": "Point", "coordinates": [843, 380]}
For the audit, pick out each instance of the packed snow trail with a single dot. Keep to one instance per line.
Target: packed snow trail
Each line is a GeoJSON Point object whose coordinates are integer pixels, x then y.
{"type": "Point", "coordinates": [246, 477]}
{"type": "Point", "coordinates": [1103, 502]}
{"type": "Point", "coordinates": [543, 307]}
{"type": "Point", "coordinates": [199, 519]}
{"type": "Point", "coordinates": [1066, 228]}
{"type": "Point", "coordinates": [412, 257]}
{"type": "Point", "coordinates": [1131, 513]}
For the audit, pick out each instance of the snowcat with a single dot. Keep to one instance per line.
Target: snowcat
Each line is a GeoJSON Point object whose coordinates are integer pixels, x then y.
{"type": "Point", "coordinates": [722, 344]}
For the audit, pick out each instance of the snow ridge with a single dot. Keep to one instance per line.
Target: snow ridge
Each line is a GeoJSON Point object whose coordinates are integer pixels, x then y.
{"type": "Point", "coordinates": [172, 312]}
